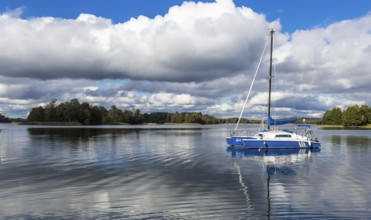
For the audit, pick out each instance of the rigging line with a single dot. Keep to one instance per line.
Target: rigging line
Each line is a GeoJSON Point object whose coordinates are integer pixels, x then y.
{"type": "Point", "coordinates": [252, 83]}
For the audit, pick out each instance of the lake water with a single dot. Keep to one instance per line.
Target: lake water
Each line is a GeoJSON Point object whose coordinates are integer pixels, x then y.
{"type": "Point", "coordinates": [178, 172]}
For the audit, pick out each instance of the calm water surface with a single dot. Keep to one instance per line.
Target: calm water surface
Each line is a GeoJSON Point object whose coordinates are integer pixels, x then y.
{"type": "Point", "coordinates": [178, 172]}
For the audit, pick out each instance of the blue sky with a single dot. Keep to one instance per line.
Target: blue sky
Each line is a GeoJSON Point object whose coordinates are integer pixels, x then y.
{"type": "Point", "coordinates": [184, 56]}
{"type": "Point", "coordinates": [301, 14]}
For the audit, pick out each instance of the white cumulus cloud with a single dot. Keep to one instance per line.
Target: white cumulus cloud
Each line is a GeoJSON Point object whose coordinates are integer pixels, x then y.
{"type": "Point", "coordinates": [196, 57]}
{"type": "Point", "coordinates": [192, 42]}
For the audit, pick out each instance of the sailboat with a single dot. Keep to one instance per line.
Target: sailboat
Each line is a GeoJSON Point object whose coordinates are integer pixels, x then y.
{"type": "Point", "coordinates": [271, 136]}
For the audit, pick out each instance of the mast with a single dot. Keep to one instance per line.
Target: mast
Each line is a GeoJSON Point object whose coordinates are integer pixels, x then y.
{"type": "Point", "coordinates": [270, 79]}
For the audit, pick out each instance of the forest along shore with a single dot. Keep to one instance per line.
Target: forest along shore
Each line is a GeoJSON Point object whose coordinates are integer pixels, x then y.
{"type": "Point", "coordinates": [76, 113]}
{"type": "Point", "coordinates": [352, 117]}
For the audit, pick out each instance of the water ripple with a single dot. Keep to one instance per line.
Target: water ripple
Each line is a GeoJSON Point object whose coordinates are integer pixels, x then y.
{"type": "Point", "coordinates": [183, 173]}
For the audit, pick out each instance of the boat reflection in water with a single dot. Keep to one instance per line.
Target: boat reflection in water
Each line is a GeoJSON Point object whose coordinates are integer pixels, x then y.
{"type": "Point", "coordinates": [262, 152]}
{"type": "Point", "coordinates": [276, 161]}
{"type": "Point", "coordinates": [283, 169]}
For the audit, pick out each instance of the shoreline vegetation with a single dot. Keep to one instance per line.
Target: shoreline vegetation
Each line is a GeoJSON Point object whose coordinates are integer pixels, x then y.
{"type": "Point", "coordinates": [79, 114]}
{"type": "Point", "coordinates": [4, 119]}
{"type": "Point", "coordinates": [79, 124]}
{"type": "Point", "coordinates": [353, 117]}
{"type": "Point", "coordinates": [74, 113]}
{"type": "Point", "coordinates": [325, 127]}
{"type": "Point", "coordinates": [334, 127]}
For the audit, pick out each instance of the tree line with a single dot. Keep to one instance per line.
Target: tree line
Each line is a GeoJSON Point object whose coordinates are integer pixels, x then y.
{"type": "Point", "coordinates": [353, 116]}
{"type": "Point", "coordinates": [4, 119]}
{"type": "Point", "coordinates": [74, 112]}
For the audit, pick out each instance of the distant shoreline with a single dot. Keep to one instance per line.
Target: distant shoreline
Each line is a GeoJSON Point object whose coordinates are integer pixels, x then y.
{"type": "Point", "coordinates": [329, 127]}
{"type": "Point", "coordinates": [79, 124]}
{"type": "Point", "coordinates": [51, 123]}
{"type": "Point", "coordinates": [325, 127]}
{"type": "Point", "coordinates": [117, 124]}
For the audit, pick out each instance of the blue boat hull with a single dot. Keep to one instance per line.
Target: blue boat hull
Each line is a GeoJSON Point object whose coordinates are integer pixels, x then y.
{"type": "Point", "coordinates": [252, 143]}
{"type": "Point", "coordinates": [269, 151]}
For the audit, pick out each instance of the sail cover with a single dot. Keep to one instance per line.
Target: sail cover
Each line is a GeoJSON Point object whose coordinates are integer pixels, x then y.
{"type": "Point", "coordinates": [272, 121]}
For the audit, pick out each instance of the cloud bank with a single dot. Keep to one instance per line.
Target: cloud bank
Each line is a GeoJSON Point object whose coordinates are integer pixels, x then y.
{"type": "Point", "coordinates": [193, 42]}
{"type": "Point", "coordinates": [197, 57]}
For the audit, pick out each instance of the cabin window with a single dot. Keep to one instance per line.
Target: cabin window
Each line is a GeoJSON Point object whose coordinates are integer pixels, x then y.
{"type": "Point", "coordinates": [283, 135]}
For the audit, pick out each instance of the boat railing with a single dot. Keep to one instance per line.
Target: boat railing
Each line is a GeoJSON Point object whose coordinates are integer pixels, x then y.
{"type": "Point", "coordinates": [239, 133]}
{"type": "Point", "coordinates": [303, 130]}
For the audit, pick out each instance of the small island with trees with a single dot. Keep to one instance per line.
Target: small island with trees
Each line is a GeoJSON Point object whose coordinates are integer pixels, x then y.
{"type": "Point", "coordinates": [76, 113]}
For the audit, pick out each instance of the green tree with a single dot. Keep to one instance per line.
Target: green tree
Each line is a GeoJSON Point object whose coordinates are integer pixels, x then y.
{"type": "Point", "coordinates": [36, 114]}
{"type": "Point", "coordinates": [337, 116]}
{"type": "Point", "coordinates": [156, 117]}
{"type": "Point", "coordinates": [127, 117]}
{"type": "Point", "coordinates": [364, 112]}
{"type": "Point", "coordinates": [97, 115]}
{"type": "Point", "coordinates": [333, 117]}
{"type": "Point", "coordinates": [137, 118]}
{"type": "Point", "coordinates": [50, 111]}
{"type": "Point", "coordinates": [73, 113]}
{"type": "Point", "coordinates": [114, 115]}
{"type": "Point", "coordinates": [85, 115]}
{"type": "Point", "coordinates": [352, 116]}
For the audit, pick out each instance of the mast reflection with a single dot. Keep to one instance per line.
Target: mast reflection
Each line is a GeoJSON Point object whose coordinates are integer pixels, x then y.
{"type": "Point", "coordinates": [275, 163]}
